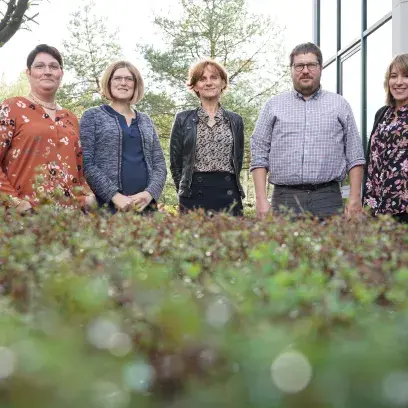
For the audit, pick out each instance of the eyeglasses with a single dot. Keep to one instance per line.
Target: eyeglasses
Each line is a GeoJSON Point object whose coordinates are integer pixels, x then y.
{"type": "Point", "coordinates": [119, 79]}
{"type": "Point", "coordinates": [311, 66]}
{"type": "Point", "coordinates": [41, 67]}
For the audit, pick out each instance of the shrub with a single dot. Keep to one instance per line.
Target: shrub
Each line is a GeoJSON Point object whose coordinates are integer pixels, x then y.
{"type": "Point", "coordinates": [194, 311]}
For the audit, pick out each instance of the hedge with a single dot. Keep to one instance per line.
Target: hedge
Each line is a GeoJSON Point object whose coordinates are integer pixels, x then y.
{"type": "Point", "coordinates": [199, 311]}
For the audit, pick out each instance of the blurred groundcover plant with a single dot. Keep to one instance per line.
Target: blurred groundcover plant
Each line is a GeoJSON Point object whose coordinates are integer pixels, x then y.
{"type": "Point", "coordinates": [195, 311]}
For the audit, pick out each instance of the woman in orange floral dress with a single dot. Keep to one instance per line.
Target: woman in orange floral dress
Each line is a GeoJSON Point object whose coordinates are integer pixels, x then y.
{"type": "Point", "coordinates": [40, 152]}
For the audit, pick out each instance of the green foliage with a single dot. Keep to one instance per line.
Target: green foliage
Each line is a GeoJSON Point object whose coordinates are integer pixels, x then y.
{"type": "Point", "coordinates": [195, 311]}
{"type": "Point", "coordinates": [19, 87]}
{"type": "Point", "coordinates": [88, 52]}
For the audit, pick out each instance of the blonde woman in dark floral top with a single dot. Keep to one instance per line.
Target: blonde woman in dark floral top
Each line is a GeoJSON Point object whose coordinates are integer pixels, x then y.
{"type": "Point", "coordinates": [386, 187]}
{"type": "Point", "coordinates": [40, 152]}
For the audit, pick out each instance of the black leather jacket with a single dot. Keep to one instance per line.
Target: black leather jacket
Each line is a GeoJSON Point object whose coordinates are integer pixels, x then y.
{"type": "Point", "coordinates": [183, 144]}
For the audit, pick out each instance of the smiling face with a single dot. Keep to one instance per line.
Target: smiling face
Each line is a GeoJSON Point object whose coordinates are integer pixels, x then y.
{"type": "Point", "coordinates": [122, 85]}
{"type": "Point", "coordinates": [398, 85]}
{"type": "Point", "coordinates": [307, 80]}
{"type": "Point", "coordinates": [44, 75]}
{"type": "Point", "coordinates": [210, 85]}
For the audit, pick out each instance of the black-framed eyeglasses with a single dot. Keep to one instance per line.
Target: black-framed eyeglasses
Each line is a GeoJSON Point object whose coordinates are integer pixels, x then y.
{"type": "Point", "coordinates": [311, 66]}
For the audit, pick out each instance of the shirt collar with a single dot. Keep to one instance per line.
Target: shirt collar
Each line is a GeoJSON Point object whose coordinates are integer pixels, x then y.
{"type": "Point", "coordinates": [203, 115]}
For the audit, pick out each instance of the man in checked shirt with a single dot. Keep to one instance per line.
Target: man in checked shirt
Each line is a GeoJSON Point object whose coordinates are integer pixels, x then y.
{"type": "Point", "coordinates": [307, 139]}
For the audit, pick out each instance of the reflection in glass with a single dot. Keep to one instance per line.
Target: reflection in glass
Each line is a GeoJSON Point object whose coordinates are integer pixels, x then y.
{"type": "Point", "coordinates": [328, 30]}
{"type": "Point", "coordinates": [379, 55]}
{"type": "Point", "coordinates": [351, 85]}
{"type": "Point", "coordinates": [350, 21]}
{"type": "Point", "coordinates": [329, 77]}
{"type": "Point", "coordinates": [376, 9]}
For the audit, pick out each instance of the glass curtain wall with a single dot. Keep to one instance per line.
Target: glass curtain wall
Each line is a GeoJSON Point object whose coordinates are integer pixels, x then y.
{"type": "Point", "coordinates": [355, 37]}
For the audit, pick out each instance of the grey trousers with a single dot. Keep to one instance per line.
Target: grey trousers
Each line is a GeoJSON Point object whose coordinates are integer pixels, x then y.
{"type": "Point", "coordinates": [322, 203]}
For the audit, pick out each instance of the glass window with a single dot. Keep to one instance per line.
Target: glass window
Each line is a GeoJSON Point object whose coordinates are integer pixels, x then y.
{"type": "Point", "coordinates": [379, 55]}
{"type": "Point", "coordinates": [328, 28]}
{"type": "Point", "coordinates": [351, 84]}
{"type": "Point", "coordinates": [350, 21]}
{"type": "Point", "coordinates": [329, 77]}
{"type": "Point", "coordinates": [377, 9]}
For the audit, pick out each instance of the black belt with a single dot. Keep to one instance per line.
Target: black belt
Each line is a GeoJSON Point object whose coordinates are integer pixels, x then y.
{"type": "Point", "coordinates": [307, 187]}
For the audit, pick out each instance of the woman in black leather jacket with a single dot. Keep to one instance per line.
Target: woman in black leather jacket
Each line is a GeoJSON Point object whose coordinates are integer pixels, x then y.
{"type": "Point", "coordinates": [207, 146]}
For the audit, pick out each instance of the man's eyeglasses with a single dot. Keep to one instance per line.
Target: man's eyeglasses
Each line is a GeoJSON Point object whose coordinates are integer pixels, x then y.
{"type": "Point", "coordinates": [311, 66]}
{"type": "Point", "coordinates": [119, 79]}
{"type": "Point", "coordinates": [41, 67]}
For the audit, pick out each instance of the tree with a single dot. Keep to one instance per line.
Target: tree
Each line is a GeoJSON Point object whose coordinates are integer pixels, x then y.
{"type": "Point", "coordinates": [248, 45]}
{"type": "Point", "coordinates": [14, 16]}
{"type": "Point", "coordinates": [88, 51]}
{"type": "Point", "coordinates": [17, 88]}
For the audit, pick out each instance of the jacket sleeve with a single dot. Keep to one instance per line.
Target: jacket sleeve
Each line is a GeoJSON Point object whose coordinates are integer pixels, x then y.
{"type": "Point", "coordinates": [241, 146]}
{"type": "Point", "coordinates": [99, 182]}
{"type": "Point", "coordinates": [159, 173]}
{"type": "Point", "coordinates": [176, 152]}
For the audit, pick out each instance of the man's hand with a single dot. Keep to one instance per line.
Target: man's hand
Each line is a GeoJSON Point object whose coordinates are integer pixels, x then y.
{"type": "Point", "coordinates": [122, 202]}
{"type": "Point", "coordinates": [353, 208]}
{"type": "Point", "coordinates": [141, 200]}
{"type": "Point", "coordinates": [262, 207]}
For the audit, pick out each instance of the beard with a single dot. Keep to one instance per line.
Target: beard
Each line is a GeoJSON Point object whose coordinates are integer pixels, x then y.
{"type": "Point", "coordinates": [307, 88]}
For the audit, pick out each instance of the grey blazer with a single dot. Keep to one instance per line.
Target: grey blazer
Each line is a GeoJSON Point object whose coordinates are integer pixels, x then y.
{"type": "Point", "coordinates": [101, 139]}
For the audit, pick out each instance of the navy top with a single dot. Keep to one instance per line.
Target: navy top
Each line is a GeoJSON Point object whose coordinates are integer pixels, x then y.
{"type": "Point", "coordinates": [134, 169]}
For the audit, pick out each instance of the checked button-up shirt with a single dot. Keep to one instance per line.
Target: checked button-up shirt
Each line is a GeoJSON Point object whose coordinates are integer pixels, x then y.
{"type": "Point", "coordinates": [309, 141]}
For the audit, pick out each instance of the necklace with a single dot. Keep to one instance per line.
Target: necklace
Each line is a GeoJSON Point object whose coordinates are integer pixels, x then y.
{"type": "Point", "coordinates": [37, 101]}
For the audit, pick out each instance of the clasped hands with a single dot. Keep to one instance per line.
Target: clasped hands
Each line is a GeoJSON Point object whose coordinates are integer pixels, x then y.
{"type": "Point", "coordinates": [137, 201]}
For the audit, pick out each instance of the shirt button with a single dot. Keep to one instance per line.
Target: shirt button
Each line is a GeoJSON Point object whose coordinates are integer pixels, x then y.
{"type": "Point", "coordinates": [229, 192]}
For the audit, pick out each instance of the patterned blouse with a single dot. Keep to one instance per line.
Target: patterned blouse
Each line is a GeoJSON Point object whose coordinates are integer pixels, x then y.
{"type": "Point", "coordinates": [387, 176]}
{"type": "Point", "coordinates": [40, 158]}
{"type": "Point", "coordinates": [214, 144]}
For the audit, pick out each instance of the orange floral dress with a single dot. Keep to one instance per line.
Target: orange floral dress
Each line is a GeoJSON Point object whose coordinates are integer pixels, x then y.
{"type": "Point", "coordinates": [40, 159]}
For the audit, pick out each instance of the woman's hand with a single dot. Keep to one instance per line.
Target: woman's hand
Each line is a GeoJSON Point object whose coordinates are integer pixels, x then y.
{"type": "Point", "coordinates": [90, 201]}
{"type": "Point", "coordinates": [141, 200]}
{"type": "Point", "coordinates": [23, 206]}
{"type": "Point", "coordinates": [122, 202]}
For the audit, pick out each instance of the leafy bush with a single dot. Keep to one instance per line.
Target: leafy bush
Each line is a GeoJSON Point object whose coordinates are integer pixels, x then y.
{"type": "Point", "coordinates": [195, 311]}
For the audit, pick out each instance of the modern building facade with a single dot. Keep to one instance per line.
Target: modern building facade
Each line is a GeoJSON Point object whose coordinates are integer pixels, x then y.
{"type": "Point", "coordinates": [358, 39]}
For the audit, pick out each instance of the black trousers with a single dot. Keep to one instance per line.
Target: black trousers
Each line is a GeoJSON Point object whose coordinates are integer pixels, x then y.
{"type": "Point", "coordinates": [213, 191]}
{"type": "Point", "coordinates": [322, 202]}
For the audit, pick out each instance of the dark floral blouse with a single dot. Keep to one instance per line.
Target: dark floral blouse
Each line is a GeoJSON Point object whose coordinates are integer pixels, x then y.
{"type": "Point", "coordinates": [387, 176]}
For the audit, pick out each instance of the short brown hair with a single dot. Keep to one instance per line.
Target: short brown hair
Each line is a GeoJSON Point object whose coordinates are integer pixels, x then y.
{"type": "Point", "coordinates": [46, 49]}
{"type": "Point", "coordinates": [400, 63]}
{"type": "Point", "coordinates": [108, 74]}
{"type": "Point", "coordinates": [307, 48]}
{"type": "Point", "coordinates": [196, 72]}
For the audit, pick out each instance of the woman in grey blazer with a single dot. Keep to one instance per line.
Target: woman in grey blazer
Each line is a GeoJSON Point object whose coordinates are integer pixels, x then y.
{"type": "Point", "coordinates": [123, 160]}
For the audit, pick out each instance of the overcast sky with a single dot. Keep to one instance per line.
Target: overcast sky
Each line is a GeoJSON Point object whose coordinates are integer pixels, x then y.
{"type": "Point", "coordinates": [134, 19]}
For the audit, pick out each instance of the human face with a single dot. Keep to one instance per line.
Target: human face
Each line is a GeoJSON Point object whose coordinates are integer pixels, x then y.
{"type": "Point", "coordinates": [306, 81]}
{"type": "Point", "coordinates": [398, 84]}
{"type": "Point", "coordinates": [44, 75]}
{"type": "Point", "coordinates": [122, 85]}
{"type": "Point", "coordinates": [210, 85]}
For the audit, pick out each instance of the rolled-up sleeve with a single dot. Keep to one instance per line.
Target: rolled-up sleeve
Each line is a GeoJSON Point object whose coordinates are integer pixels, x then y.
{"type": "Point", "coordinates": [261, 138]}
{"type": "Point", "coordinates": [352, 141]}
